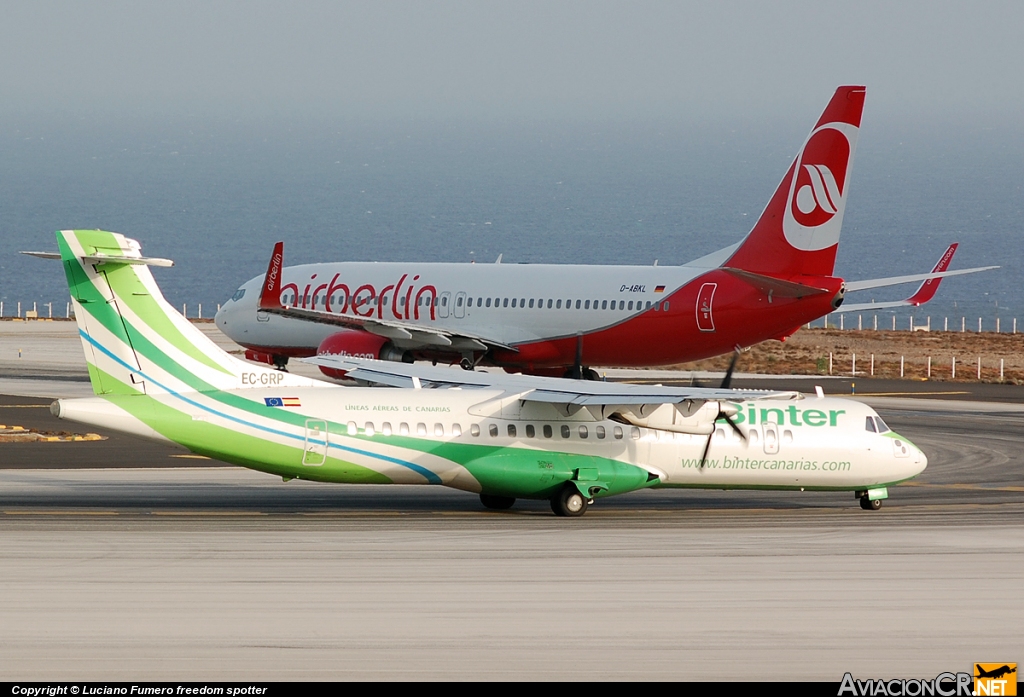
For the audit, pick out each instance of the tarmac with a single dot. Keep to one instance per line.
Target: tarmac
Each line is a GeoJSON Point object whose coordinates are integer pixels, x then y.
{"type": "Point", "coordinates": [122, 559]}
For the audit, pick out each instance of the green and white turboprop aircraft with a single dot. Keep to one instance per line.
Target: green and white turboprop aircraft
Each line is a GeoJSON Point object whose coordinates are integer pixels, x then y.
{"type": "Point", "coordinates": [501, 436]}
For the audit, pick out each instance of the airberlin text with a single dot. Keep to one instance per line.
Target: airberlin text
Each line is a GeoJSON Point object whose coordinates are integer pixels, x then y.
{"type": "Point", "coordinates": [942, 685]}
{"type": "Point", "coordinates": [401, 300]}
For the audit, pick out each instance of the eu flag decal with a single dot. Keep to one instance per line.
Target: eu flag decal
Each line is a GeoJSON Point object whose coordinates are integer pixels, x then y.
{"type": "Point", "coordinates": [282, 401]}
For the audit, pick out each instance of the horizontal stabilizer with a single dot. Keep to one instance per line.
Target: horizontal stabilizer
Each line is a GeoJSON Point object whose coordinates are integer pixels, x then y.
{"type": "Point", "coordinates": [108, 259]}
{"type": "Point", "coordinates": [852, 286]}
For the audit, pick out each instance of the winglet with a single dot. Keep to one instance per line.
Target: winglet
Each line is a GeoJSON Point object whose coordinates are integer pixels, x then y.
{"type": "Point", "coordinates": [270, 296]}
{"type": "Point", "coordinates": [928, 289]}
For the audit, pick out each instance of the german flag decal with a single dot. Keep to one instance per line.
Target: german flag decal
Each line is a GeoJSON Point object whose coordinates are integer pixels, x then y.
{"type": "Point", "coordinates": [659, 289]}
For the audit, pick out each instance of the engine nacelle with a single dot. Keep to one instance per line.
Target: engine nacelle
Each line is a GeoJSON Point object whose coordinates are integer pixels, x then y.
{"type": "Point", "coordinates": [349, 342]}
{"type": "Point", "coordinates": [692, 416]}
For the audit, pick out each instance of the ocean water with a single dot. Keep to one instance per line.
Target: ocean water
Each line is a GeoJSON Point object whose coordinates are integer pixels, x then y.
{"type": "Point", "coordinates": [215, 196]}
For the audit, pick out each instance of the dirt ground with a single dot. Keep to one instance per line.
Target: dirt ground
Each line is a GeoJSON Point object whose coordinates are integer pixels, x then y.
{"type": "Point", "coordinates": [807, 353]}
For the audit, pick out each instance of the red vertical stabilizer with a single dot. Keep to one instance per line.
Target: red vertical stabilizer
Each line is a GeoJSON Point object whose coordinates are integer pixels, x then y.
{"type": "Point", "coordinates": [798, 232]}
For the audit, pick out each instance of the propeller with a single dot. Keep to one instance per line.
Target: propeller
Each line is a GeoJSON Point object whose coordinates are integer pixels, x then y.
{"type": "Point", "coordinates": [726, 381]}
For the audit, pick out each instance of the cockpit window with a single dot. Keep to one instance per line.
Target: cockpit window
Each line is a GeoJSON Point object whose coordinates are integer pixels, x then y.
{"type": "Point", "coordinates": [882, 428]}
{"type": "Point", "coordinates": [869, 424]}
{"type": "Point", "coordinates": [238, 294]}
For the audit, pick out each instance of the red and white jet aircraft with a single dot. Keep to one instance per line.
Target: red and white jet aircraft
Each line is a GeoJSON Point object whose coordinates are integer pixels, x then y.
{"type": "Point", "coordinates": [558, 319]}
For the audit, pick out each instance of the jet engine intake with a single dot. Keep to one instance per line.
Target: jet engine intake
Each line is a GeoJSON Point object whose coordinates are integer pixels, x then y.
{"type": "Point", "coordinates": [348, 342]}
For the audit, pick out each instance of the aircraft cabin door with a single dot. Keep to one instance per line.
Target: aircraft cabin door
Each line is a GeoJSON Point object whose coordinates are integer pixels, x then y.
{"type": "Point", "coordinates": [315, 452]}
{"type": "Point", "coordinates": [443, 305]}
{"type": "Point", "coordinates": [460, 305]}
{"type": "Point", "coordinates": [705, 319]}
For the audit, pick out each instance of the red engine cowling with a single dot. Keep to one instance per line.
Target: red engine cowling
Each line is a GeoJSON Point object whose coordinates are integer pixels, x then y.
{"type": "Point", "coordinates": [259, 356]}
{"type": "Point", "coordinates": [348, 342]}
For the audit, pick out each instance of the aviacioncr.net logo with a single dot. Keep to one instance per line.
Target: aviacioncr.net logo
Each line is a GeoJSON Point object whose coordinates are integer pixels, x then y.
{"type": "Point", "coordinates": [814, 213]}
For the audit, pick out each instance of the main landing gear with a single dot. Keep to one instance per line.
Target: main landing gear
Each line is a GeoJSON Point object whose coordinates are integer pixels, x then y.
{"type": "Point", "coordinates": [869, 505]}
{"type": "Point", "coordinates": [570, 503]}
{"type": "Point", "coordinates": [496, 503]}
{"type": "Point", "coordinates": [281, 362]}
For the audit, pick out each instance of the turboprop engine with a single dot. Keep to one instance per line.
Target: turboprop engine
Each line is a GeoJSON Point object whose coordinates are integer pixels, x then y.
{"type": "Point", "coordinates": [691, 416]}
{"type": "Point", "coordinates": [348, 342]}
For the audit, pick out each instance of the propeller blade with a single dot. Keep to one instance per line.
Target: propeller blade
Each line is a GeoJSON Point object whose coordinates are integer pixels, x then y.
{"type": "Point", "coordinates": [707, 447]}
{"type": "Point", "coordinates": [739, 431]}
{"type": "Point", "coordinates": [727, 380]}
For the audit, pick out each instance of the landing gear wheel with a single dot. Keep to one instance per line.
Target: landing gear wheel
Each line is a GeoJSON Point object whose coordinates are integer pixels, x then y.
{"type": "Point", "coordinates": [569, 503]}
{"type": "Point", "coordinates": [869, 505]}
{"type": "Point", "coordinates": [496, 503]}
{"type": "Point", "coordinates": [466, 364]}
{"type": "Point", "coordinates": [591, 374]}
{"type": "Point", "coordinates": [281, 362]}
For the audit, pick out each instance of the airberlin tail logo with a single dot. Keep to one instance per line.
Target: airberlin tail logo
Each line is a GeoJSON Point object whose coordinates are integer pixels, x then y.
{"type": "Point", "coordinates": [817, 193]}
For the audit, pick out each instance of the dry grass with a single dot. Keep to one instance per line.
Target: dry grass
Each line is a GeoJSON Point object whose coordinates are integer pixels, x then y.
{"type": "Point", "coordinates": [807, 352]}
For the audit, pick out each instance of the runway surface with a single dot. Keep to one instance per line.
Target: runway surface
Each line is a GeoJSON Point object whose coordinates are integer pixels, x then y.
{"type": "Point", "coordinates": [152, 570]}
{"type": "Point", "coordinates": [125, 559]}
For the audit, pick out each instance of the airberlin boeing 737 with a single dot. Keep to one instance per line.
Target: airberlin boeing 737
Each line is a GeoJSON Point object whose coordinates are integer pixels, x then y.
{"type": "Point", "coordinates": [545, 319]}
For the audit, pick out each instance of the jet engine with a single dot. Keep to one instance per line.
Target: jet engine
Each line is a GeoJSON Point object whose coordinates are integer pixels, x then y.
{"type": "Point", "coordinates": [349, 342]}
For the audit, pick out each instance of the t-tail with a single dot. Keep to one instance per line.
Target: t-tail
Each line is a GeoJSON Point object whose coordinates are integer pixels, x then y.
{"type": "Point", "coordinates": [798, 232]}
{"type": "Point", "coordinates": [134, 341]}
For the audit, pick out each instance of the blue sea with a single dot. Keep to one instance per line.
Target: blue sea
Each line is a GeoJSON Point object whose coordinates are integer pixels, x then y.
{"type": "Point", "coordinates": [214, 196]}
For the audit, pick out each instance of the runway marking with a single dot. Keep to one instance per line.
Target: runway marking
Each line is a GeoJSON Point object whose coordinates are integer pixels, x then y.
{"type": "Point", "coordinates": [208, 512]}
{"type": "Point", "coordinates": [896, 394]}
{"type": "Point", "coordinates": [971, 487]}
{"type": "Point", "coordinates": [16, 512]}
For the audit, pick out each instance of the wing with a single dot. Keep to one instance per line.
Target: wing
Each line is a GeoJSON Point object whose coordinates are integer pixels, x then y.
{"type": "Point", "coordinates": [533, 388]}
{"type": "Point", "coordinates": [405, 334]}
{"type": "Point", "coordinates": [693, 410]}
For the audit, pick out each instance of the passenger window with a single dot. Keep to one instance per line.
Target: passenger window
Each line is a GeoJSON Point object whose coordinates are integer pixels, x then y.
{"type": "Point", "coordinates": [622, 304]}
{"type": "Point", "coordinates": [547, 430]}
{"type": "Point", "coordinates": [513, 302]}
{"type": "Point", "coordinates": [456, 430]}
{"type": "Point", "coordinates": [474, 430]}
{"type": "Point", "coordinates": [586, 305]}
{"type": "Point", "coordinates": [386, 428]}
{"type": "Point", "coordinates": [549, 303]}
{"type": "Point", "coordinates": [352, 428]}
{"type": "Point", "coordinates": [511, 430]}
{"type": "Point", "coordinates": [531, 303]}
{"type": "Point", "coordinates": [657, 306]}
{"type": "Point", "coordinates": [666, 305]}
{"type": "Point", "coordinates": [599, 431]}
{"type": "Point", "coordinates": [617, 430]}
{"type": "Point", "coordinates": [565, 431]}
{"type": "Point", "coordinates": [368, 429]}
{"type": "Point", "coordinates": [604, 304]}
{"type": "Point", "coordinates": [438, 430]}
{"type": "Point", "coordinates": [648, 305]}
{"type": "Point", "coordinates": [458, 301]}
{"type": "Point", "coordinates": [488, 302]}
{"type": "Point", "coordinates": [578, 303]}
{"type": "Point", "coordinates": [869, 424]}
{"type": "Point", "coordinates": [505, 303]}
{"type": "Point", "coordinates": [583, 432]}
{"type": "Point", "coordinates": [403, 429]}
{"type": "Point", "coordinates": [530, 431]}
{"type": "Point", "coordinates": [493, 430]}
{"type": "Point", "coordinates": [558, 304]}
{"type": "Point", "coordinates": [522, 302]}
{"type": "Point", "coordinates": [630, 305]}
{"type": "Point", "coordinates": [421, 430]}
{"type": "Point", "coordinates": [634, 433]}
